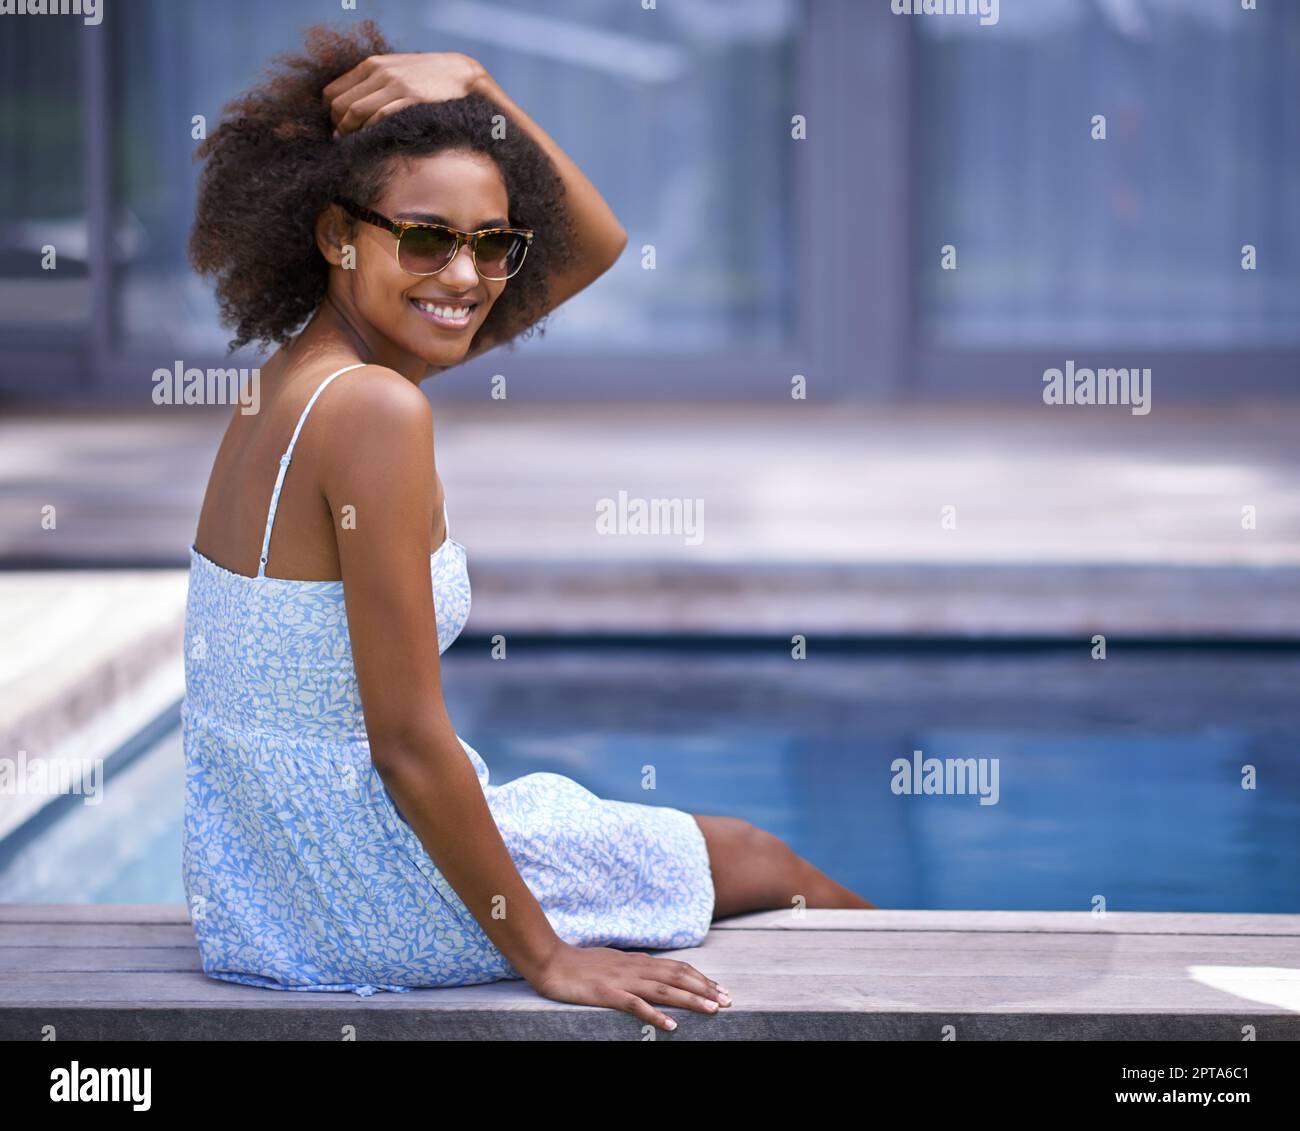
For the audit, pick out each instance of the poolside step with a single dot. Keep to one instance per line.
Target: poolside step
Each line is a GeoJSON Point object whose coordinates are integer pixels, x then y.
{"type": "Point", "coordinates": [90, 658]}
{"type": "Point", "coordinates": [1070, 524]}
{"type": "Point", "coordinates": [99, 972]}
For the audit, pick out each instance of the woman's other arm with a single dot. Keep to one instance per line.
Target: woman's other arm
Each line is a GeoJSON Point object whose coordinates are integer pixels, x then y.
{"type": "Point", "coordinates": [384, 472]}
{"type": "Point", "coordinates": [379, 436]}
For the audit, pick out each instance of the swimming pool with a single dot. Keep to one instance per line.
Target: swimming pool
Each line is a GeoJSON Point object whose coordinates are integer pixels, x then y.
{"type": "Point", "coordinates": [1120, 779]}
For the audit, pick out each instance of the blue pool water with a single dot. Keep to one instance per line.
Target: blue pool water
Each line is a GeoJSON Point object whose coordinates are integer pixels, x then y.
{"type": "Point", "coordinates": [1119, 778]}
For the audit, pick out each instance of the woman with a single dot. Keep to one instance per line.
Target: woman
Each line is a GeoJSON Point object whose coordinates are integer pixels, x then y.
{"type": "Point", "coordinates": [339, 835]}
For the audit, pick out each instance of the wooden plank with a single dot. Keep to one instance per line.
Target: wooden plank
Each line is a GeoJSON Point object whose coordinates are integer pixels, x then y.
{"type": "Point", "coordinates": [108, 934]}
{"type": "Point", "coordinates": [432, 1014]}
{"type": "Point", "coordinates": [333, 1021]}
{"type": "Point", "coordinates": [92, 913]}
{"type": "Point", "coordinates": [830, 975]}
{"type": "Point", "coordinates": [1055, 922]}
{"type": "Point", "coordinates": [99, 960]}
{"type": "Point", "coordinates": [937, 995]}
{"type": "Point", "coordinates": [833, 952]}
{"type": "Point", "coordinates": [1116, 922]}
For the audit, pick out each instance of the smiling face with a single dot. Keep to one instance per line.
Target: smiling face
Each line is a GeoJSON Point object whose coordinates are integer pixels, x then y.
{"type": "Point", "coordinates": [404, 319]}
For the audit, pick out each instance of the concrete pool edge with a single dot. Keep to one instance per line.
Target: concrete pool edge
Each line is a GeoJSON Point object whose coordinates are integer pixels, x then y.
{"type": "Point", "coordinates": [966, 600]}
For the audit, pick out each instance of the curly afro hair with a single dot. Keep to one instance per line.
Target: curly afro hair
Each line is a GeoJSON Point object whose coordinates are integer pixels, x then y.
{"type": "Point", "coordinates": [272, 165]}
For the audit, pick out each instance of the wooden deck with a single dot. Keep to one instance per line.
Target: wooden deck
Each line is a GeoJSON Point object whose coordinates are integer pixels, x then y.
{"type": "Point", "coordinates": [100, 972]}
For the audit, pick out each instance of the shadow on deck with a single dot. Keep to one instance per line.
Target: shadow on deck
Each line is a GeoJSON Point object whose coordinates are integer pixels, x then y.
{"type": "Point", "coordinates": [120, 972]}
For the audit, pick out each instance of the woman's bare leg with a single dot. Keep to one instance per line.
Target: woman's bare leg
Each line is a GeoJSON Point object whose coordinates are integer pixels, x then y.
{"type": "Point", "coordinates": [756, 871]}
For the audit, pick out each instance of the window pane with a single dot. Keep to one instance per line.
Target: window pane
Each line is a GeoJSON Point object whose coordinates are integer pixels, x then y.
{"type": "Point", "coordinates": [1136, 238]}
{"type": "Point", "coordinates": [677, 115]}
{"type": "Point", "coordinates": [42, 191]}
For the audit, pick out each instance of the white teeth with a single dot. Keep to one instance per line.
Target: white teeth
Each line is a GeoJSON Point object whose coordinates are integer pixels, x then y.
{"type": "Point", "coordinates": [455, 313]}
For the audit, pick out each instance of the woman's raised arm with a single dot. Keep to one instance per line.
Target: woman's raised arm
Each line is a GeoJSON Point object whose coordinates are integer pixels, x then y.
{"type": "Point", "coordinates": [384, 84]}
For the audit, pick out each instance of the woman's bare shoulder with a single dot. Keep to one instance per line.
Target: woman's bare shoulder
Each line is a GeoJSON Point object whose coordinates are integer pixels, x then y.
{"type": "Point", "coordinates": [376, 388]}
{"type": "Point", "coordinates": [376, 416]}
{"type": "Point", "coordinates": [374, 397]}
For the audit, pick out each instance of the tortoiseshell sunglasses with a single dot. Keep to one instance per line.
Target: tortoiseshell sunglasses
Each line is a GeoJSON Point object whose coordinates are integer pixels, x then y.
{"type": "Point", "coordinates": [425, 249]}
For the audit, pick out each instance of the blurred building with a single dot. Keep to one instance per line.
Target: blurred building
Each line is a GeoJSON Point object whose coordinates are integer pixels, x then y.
{"type": "Point", "coordinates": [773, 256]}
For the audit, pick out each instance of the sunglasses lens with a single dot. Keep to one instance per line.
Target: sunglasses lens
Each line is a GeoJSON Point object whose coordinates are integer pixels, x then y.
{"type": "Point", "coordinates": [499, 254]}
{"type": "Point", "coordinates": [422, 251]}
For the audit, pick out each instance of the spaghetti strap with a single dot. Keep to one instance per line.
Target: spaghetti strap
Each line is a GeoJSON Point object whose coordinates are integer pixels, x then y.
{"type": "Point", "coordinates": [284, 466]}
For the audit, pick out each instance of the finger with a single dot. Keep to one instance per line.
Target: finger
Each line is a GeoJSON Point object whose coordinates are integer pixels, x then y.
{"type": "Point", "coordinates": [371, 109]}
{"type": "Point", "coordinates": [689, 971]}
{"type": "Point", "coordinates": [630, 1003]}
{"type": "Point", "coordinates": [391, 108]}
{"type": "Point", "coordinates": [346, 81]}
{"type": "Point", "coordinates": [345, 99]}
{"type": "Point", "coordinates": [664, 993]}
{"type": "Point", "coordinates": [686, 976]}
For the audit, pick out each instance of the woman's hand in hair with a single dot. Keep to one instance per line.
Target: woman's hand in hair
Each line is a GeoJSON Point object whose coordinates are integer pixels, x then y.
{"type": "Point", "coordinates": [383, 84]}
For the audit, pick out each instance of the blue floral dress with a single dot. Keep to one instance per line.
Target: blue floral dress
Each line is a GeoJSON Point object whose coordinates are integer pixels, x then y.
{"type": "Point", "coordinates": [300, 872]}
